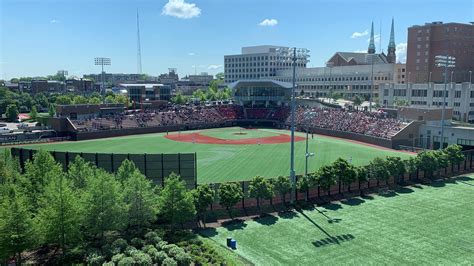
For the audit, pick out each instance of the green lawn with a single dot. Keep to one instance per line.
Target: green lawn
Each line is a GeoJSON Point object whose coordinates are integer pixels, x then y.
{"type": "Point", "coordinates": [423, 225]}
{"type": "Point", "coordinates": [217, 163]}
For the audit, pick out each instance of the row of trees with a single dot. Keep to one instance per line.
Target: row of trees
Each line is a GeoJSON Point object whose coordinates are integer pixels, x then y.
{"type": "Point", "coordinates": [343, 173]}
{"type": "Point", "coordinates": [211, 94]}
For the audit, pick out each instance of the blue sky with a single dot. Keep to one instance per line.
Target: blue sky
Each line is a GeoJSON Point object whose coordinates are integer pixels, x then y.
{"type": "Point", "coordinates": [39, 37]}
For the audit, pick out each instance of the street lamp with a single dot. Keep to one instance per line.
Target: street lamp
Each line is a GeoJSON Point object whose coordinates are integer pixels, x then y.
{"type": "Point", "coordinates": [372, 82]}
{"type": "Point", "coordinates": [102, 61]}
{"type": "Point", "coordinates": [294, 55]}
{"type": "Point", "coordinates": [446, 62]}
{"type": "Point", "coordinates": [307, 154]}
{"type": "Point", "coordinates": [470, 77]}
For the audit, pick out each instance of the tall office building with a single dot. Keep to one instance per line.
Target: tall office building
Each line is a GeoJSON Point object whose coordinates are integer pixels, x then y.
{"type": "Point", "coordinates": [438, 38]}
{"type": "Point", "coordinates": [256, 62]}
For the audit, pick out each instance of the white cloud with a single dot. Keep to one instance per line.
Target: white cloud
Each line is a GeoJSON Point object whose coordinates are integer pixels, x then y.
{"type": "Point", "coordinates": [360, 51]}
{"type": "Point", "coordinates": [214, 67]}
{"type": "Point", "coordinates": [359, 34]}
{"type": "Point", "coordinates": [181, 9]}
{"type": "Point", "coordinates": [53, 21]}
{"type": "Point", "coordinates": [270, 22]}
{"type": "Point", "coordinates": [401, 52]}
{"type": "Point", "coordinates": [191, 54]}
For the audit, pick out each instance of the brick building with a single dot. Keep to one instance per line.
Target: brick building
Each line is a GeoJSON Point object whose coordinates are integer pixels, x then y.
{"type": "Point", "coordinates": [438, 38]}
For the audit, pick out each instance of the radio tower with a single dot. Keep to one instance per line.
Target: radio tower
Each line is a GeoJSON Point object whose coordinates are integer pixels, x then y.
{"type": "Point", "coordinates": [139, 50]}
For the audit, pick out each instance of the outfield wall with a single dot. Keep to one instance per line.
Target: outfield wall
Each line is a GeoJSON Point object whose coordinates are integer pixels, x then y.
{"type": "Point", "coordinates": [154, 166]}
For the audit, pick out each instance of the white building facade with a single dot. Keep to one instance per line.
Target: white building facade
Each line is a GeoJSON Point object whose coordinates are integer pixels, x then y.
{"type": "Point", "coordinates": [346, 80]}
{"type": "Point", "coordinates": [458, 96]}
{"type": "Point", "coordinates": [256, 62]}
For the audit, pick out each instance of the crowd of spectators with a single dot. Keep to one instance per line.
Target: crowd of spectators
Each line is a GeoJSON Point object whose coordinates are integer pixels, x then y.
{"type": "Point", "coordinates": [372, 124]}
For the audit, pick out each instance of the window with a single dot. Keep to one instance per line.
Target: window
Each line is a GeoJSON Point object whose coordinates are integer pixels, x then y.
{"type": "Point", "coordinates": [457, 94]}
{"type": "Point", "coordinates": [419, 93]}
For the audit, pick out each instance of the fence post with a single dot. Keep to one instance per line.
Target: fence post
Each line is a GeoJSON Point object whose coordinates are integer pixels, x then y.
{"type": "Point", "coordinates": [179, 163]}
{"type": "Point", "coordinates": [470, 163]}
{"type": "Point", "coordinates": [162, 172]}
{"type": "Point", "coordinates": [112, 162]}
{"type": "Point", "coordinates": [67, 160]}
{"type": "Point", "coordinates": [144, 158]}
{"type": "Point", "coordinates": [243, 194]}
{"type": "Point", "coordinates": [96, 159]}
{"type": "Point", "coordinates": [195, 170]}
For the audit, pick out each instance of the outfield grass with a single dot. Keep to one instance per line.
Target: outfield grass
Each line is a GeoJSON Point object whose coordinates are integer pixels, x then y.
{"type": "Point", "coordinates": [218, 163]}
{"type": "Point", "coordinates": [416, 225]}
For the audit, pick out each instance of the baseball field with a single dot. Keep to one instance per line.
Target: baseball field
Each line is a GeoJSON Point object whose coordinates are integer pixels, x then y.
{"type": "Point", "coordinates": [419, 225]}
{"type": "Point", "coordinates": [235, 154]}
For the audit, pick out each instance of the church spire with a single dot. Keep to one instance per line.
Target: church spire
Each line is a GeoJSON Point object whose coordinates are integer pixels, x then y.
{"type": "Point", "coordinates": [391, 56]}
{"type": "Point", "coordinates": [371, 49]}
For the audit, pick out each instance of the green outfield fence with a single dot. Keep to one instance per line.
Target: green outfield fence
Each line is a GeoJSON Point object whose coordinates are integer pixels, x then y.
{"type": "Point", "coordinates": [154, 166]}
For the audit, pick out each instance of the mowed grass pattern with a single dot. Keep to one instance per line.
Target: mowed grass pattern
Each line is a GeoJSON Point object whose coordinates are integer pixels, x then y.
{"type": "Point", "coordinates": [425, 225]}
{"type": "Point", "coordinates": [221, 163]}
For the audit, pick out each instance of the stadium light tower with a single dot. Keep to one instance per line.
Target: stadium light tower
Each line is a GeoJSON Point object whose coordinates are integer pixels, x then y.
{"type": "Point", "coordinates": [295, 56]}
{"type": "Point", "coordinates": [102, 61]}
{"type": "Point", "coordinates": [446, 62]}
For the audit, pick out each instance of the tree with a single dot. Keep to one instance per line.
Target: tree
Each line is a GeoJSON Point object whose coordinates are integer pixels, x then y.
{"type": "Point", "coordinates": [304, 184]}
{"type": "Point", "coordinates": [378, 169]}
{"type": "Point", "coordinates": [126, 169]}
{"type": "Point", "coordinates": [123, 100]}
{"type": "Point", "coordinates": [175, 203]}
{"type": "Point", "coordinates": [140, 200]}
{"type": "Point", "coordinates": [59, 216]}
{"type": "Point", "coordinates": [79, 171]}
{"type": "Point", "coordinates": [204, 196]}
{"type": "Point", "coordinates": [12, 113]}
{"type": "Point", "coordinates": [362, 175]}
{"type": "Point", "coordinates": [34, 113]}
{"type": "Point", "coordinates": [396, 167]}
{"type": "Point", "coordinates": [229, 194]}
{"type": "Point", "coordinates": [79, 99]}
{"type": "Point", "coordinates": [411, 165]}
{"type": "Point", "coordinates": [199, 94]}
{"type": "Point", "coordinates": [260, 188]}
{"type": "Point", "coordinates": [345, 172]}
{"type": "Point", "coordinates": [64, 100]}
{"type": "Point", "coordinates": [51, 110]}
{"type": "Point", "coordinates": [39, 172]}
{"type": "Point", "coordinates": [220, 76]}
{"type": "Point", "coordinates": [428, 162]}
{"type": "Point", "coordinates": [400, 102]}
{"type": "Point", "coordinates": [94, 100]}
{"type": "Point", "coordinates": [103, 204]}
{"type": "Point", "coordinates": [178, 99]}
{"type": "Point", "coordinates": [454, 154]}
{"type": "Point", "coordinates": [326, 177]}
{"type": "Point", "coordinates": [16, 225]}
{"type": "Point", "coordinates": [283, 186]}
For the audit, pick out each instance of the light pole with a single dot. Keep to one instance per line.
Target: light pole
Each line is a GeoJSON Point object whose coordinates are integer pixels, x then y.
{"type": "Point", "coordinates": [452, 72]}
{"type": "Point", "coordinates": [102, 61]}
{"type": "Point", "coordinates": [470, 77]}
{"type": "Point", "coordinates": [446, 62]}
{"type": "Point", "coordinates": [429, 80]}
{"type": "Point", "coordinates": [294, 55]}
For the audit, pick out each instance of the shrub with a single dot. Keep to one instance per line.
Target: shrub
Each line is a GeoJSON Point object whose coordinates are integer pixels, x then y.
{"type": "Point", "coordinates": [119, 245]}
{"type": "Point", "coordinates": [129, 250]}
{"type": "Point", "coordinates": [137, 242]}
{"type": "Point", "coordinates": [142, 258]}
{"type": "Point", "coordinates": [117, 258]}
{"type": "Point", "coordinates": [126, 261]}
{"type": "Point", "coordinates": [95, 259]}
{"type": "Point", "coordinates": [174, 251]}
{"type": "Point", "coordinates": [152, 238]}
{"type": "Point", "coordinates": [169, 262]}
{"type": "Point", "coordinates": [161, 244]}
{"type": "Point", "coordinates": [183, 258]}
{"type": "Point", "coordinates": [167, 248]}
{"type": "Point", "coordinates": [160, 257]}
